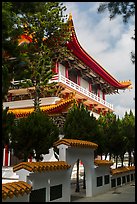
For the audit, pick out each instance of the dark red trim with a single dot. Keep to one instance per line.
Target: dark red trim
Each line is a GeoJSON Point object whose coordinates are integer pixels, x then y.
{"type": "Point", "coordinates": [79, 52]}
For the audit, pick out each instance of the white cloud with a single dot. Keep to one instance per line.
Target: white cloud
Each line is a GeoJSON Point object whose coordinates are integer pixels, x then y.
{"type": "Point", "coordinates": [110, 44]}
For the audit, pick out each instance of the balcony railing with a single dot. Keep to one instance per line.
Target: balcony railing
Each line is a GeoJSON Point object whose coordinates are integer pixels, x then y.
{"type": "Point", "coordinates": [83, 91]}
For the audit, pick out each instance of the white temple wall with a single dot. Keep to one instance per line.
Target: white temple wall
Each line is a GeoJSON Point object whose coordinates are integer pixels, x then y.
{"type": "Point", "coordinates": [30, 102]}
{"type": "Point", "coordinates": [102, 171]}
{"type": "Point", "coordinates": [47, 180]}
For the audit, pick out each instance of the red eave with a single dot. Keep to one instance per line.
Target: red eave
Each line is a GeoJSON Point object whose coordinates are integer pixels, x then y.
{"type": "Point", "coordinates": [79, 52]}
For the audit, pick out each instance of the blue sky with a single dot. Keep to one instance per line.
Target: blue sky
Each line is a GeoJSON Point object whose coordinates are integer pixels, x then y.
{"type": "Point", "coordinates": [110, 44]}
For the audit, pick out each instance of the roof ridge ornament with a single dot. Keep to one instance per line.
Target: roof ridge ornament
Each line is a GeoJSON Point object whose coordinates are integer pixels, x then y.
{"type": "Point", "coordinates": [70, 23]}
{"type": "Point", "coordinates": [127, 83]}
{"type": "Point", "coordinates": [70, 16]}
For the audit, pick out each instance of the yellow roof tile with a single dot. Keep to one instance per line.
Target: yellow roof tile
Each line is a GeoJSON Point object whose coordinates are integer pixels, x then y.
{"type": "Point", "coordinates": [22, 112]}
{"type": "Point", "coordinates": [76, 143]}
{"type": "Point", "coordinates": [41, 166]}
{"type": "Point", "coordinates": [122, 169]}
{"type": "Point", "coordinates": [15, 189]}
{"type": "Point", "coordinates": [102, 162]}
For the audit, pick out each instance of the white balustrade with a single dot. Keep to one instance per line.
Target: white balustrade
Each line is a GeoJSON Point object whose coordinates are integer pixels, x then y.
{"type": "Point", "coordinates": [82, 90]}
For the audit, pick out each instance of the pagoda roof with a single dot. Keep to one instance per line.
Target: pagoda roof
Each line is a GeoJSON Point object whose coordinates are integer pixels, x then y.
{"type": "Point", "coordinates": [74, 46]}
{"type": "Point", "coordinates": [62, 105]}
{"type": "Point", "coordinates": [76, 49]}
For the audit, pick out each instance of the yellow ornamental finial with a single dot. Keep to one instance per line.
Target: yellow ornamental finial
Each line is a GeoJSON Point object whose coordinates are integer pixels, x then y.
{"type": "Point", "coordinates": [70, 22]}
{"type": "Point", "coordinates": [70, 16]}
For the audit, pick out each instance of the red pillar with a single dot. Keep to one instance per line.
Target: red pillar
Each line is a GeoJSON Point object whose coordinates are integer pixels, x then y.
{"type": "Point", "coordinates": [103, 96]}
{"type": "Point", "coordinates": [78, 80]}
{"type": "Point", "coordinates": [6, 152]}
{"type": "Point", "coordinates": [98, 92]}
{"type": "Point", "coordinates": [66, 72]}
{"type": "Point", "coordinates": [90, 106]}
{"type": "Point", "coordinates": [10, 97]}
{"type": "Point", "coordinates": [30, 158]}
{"type": "Point", "coordinates": [99, 110]}
{"type": "Point", "coordinates": [55, 69]}
{"type": "Point", "coordinates": [90, 87]}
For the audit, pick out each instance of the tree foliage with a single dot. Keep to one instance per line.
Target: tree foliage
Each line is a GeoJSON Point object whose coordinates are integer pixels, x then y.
{"type": "Point", "coordinates": [35, 60]}
{"type": "Point", "coordinates": [79, 124]}
{"type": "Point", "coordinates": [34, 136]}
{"type": "Point", "coordinates": [124, 9]}
{"type": "Point", "coordinates": [9, 44]}
{"type": "Point", "coordinates": [128, 131]}
{"type": "Point", "coordinates": [116, 136]}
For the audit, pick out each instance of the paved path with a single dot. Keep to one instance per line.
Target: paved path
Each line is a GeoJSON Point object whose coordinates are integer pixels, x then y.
{"type": "Point", "coordinates": [125, 193]}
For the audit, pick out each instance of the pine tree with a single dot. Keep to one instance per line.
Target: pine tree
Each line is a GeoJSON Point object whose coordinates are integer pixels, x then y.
{"type": "Point", "coordinates": [34, 136]}
{"type": "Point", "coordinates": [41, 20]}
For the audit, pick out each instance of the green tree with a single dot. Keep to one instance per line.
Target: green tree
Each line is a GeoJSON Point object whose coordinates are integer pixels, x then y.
{"type": "Point", "coordinates": [34, 136]}
{"type": "Point", "coordinates": [10, 49]}
{"type": "Point", "coordinates": [124, 9]}
{"type": "Point", "coordinates": [101, 137]}
{"type": "Point", "coordinates": [128, 131]}
{"type": "Point", "coordinates": [36, 59]}
{"type": "Point", "coordinates": [117, 144]}
{"type": "Point", "coordinates": [111, 140]}
{"type": "Point", "coordinates": [105, 123]}
{"type": "Point", "coordinates": [80, 124]}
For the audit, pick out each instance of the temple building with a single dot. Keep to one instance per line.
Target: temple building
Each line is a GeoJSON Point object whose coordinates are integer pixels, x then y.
{"type": "Point", "coordinates": [79, 78]}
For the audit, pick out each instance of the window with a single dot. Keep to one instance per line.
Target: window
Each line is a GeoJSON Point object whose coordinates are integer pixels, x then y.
{"type": "Point", "coordinates": [113, 183]}
{"type": "Point", "coordinates": [94, 89]}
{"type": "Point", "coordinates": [123, 179]}
{"type": "Point", "coordinates": [106, 179]}
{"type": "Point", "coordinates": [99, 181]}
{"type": "Point", "coordinates": [55, 192]}
{"type": "Point", "coordinates": [72, 75]}
{"type": "Point", "coordinates": [38, 195]}
{"type": "Point", "coordinates": [132, 178]}
{"type": "Point", "coordinates": [118, 181]}
{"type": "Point", "coordinates": [128, 178]}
